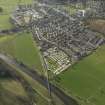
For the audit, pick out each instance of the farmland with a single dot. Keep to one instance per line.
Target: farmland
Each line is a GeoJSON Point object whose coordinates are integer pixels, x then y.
{"type": "Point", "coordinates": [23, 49]}
{"type": "Point", "coordinates": [8, 7]}
{"type": "Point", "coordinates": [20, 46]}
{"type": "Point", "coordinates": [9, 85]}
{"type": "Point", "coordinates": [85, 80]}
{"type": "Point", "coordinates": [8, 89]}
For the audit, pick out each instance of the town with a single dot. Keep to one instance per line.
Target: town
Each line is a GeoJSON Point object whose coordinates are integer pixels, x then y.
{"type": "Point", "coordinates": [52, 52]}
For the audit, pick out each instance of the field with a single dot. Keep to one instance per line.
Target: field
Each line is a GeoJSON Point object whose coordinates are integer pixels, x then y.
{"type": "Point", "coordinates": [72, 10]}
{"type": "Point", "coordinates": [8, 90]}
{"type": "Point", "coordinates": [86, 80]}
{"type": "Point", "coordinates": [19, 46]}
{"type": "Point", "coordinates": [8, 7]}
{"type": "Point", "coordinates": [8, 94]}
{"type": "Point", "coordinates": [96, 25]}
{"type": "Point", "coordinates": [13, 92]}
{"type": "Point", "coordinates": [22, 48]}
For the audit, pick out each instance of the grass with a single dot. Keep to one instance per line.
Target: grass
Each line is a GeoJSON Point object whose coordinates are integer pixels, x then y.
{"type": "Point", "coordinates": [9, 98]}
{"type": "Point", "coordinates": [13, 86]}
{"type": "Point", "coordinates": [42, 96]}
{"type": "Point", "coordinates": [72, 10]}
{"type": "Point", "coordinates": [11, 90]}
{"type": "Point", "coordinates": [85, 80]}
{"type": "Point", "coordinates": [35, 85]}
{"type": "Point", "coordinates": [22, 48]}
{"type": "Point", "coordinates": [14, 91]}
{"type": "Point", "coordinates": [27, 51]}
{"type": "Point", "coordinates": [6, 45]}
{"type": "Point", "coordinates": [4, 22]}
{"type": "Point", "coordinates": [8, 7]}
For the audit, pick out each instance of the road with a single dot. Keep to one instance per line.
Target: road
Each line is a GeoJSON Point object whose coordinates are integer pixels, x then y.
{"type": "Point", "coordinates": [67, 100]}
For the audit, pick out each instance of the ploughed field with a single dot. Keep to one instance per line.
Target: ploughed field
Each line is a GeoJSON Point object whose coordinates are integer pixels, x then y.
{"type": "Point", "coordinates": [96, 25]}
{"type": "Point", "coordinates": [85, 80]}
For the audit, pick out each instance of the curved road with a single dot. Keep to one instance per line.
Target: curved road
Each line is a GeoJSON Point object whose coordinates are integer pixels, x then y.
{"type": "Point", "coordinates": [67, 100]}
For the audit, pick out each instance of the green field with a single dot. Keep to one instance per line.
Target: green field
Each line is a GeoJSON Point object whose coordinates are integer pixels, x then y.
{"type": "Point", "coordinates": [19, 46]}
{"type": "Point", "coordinates": [86, 80]}
{"type": "Point", "coordinates": [22, 48]}
{"type": "Point", "coordinates": [72, 10]}
{"type": "Point", "coordinates": [8, 7]}
{"type": "Point", "coordinates": [9, 94]}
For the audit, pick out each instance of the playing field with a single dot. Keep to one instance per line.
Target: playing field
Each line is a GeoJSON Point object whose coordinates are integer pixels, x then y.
{"type": "Point", "coordinates": [86, 79]}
